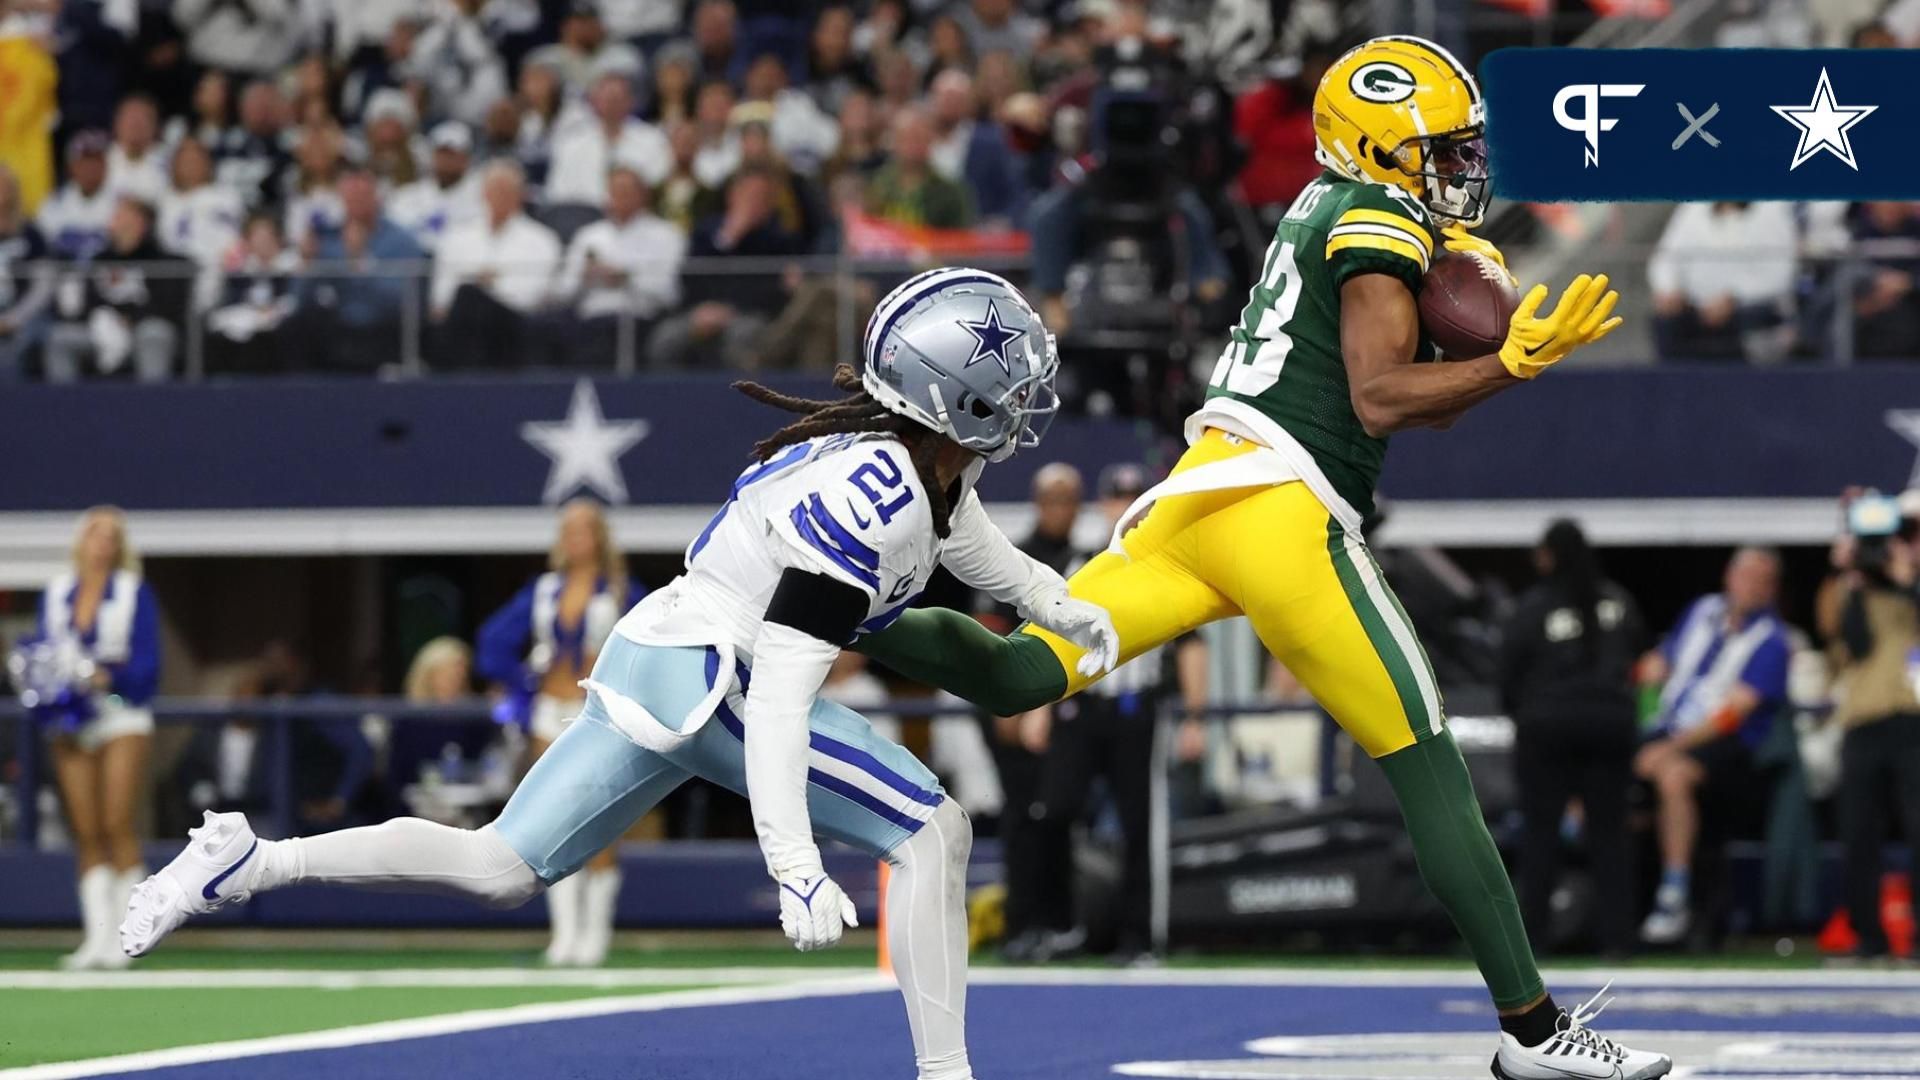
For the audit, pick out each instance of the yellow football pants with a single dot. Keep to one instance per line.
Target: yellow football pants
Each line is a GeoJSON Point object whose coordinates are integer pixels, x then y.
{"type": "Point", "coordinates": [1311, 589]}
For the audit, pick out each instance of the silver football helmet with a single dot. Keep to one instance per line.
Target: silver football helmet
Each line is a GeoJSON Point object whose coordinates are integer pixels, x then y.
{"type": "Point", "coordinates": [962, 352]}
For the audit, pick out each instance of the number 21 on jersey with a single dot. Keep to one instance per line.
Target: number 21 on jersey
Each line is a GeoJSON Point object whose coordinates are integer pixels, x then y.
{"type": "Point", "coordinates": [1252, 361]}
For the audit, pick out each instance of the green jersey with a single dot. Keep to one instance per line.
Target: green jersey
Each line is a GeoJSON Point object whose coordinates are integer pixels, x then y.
{"type": "Point", "coordinates": [1284, 357]}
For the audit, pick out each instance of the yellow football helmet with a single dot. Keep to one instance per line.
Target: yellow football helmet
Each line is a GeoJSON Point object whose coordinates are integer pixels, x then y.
{"type": "Point", "coordinates": [1401, 111]}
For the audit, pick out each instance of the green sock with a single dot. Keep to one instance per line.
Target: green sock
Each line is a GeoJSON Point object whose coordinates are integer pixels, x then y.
{"type": "Point", "coordinates": [943, 648]}
{"type": "Point", "coordinates": [1462, 867]}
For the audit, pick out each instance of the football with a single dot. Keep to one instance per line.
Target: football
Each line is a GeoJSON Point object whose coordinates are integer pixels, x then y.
{"type": "Point", "coordinates": [1465, 305]}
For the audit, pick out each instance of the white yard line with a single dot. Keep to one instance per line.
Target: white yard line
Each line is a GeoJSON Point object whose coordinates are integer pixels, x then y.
{"type": "Point", "coordinates": [296, 979]}
{"type": "Point", "coordinates": [449, 1024]}
{"type": "Point", "coordinates": [1462, 978]}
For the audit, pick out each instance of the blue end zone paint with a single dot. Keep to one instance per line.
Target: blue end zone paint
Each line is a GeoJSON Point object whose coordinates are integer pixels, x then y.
{"type": "Point", "coordinates": [1018, 1033]}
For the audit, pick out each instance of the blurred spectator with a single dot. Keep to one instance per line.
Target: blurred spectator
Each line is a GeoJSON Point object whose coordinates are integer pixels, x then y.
{"type": "Point", "coordinates": [897, 75]}
{"type": "Point", "coordinates": [137, 163]}
{"type": "Point", "coordinates": [26, 280]}
{"type": "Point", "coordinates": [391, 152]}
{"type": "Point", "coordinates": [1873, 35]}
{"type": "Point", "coordinates": [1724, 669]}
{"type": "Point", "coordinates": [834, 70]}
{"type": "Point", "coordinates": [639, 22]}
{"type": "Point", "coordinates": [907, 190]}
{"type": "Point", "coordinates": [359, 28]}
{"type": "Point", "coordinates": [750, 224]}
{"type": "Point", "coordinates": [998, 26]}
{"type": "Point", "coordinates": [802, 133]}
{"type": "Point", "coordinates": [199, 219]}
{"type": "Point", "coordinates": [1837, 22]}
{"type": "Point", "coordinates": [880, 31]}
{"type": "Point", "coordinates": [128, 304]}
{"type": "Point", "coordinates": [538, 103]}
{"type": "Point", "coordinates": [374, 71]}
{"type": "Point", "coordinates": [974, 151]}
{"type": "Point", "coordinates": [719, 150]}
{"type": "Point", "coordinates": [1722, 275]}
{"type": "Point", "coordinates": [74, 219]}
{"type": "Point", "coordinates": [313, 197]}
{"type": "Point", "coordinates": [30, 108]}
{"type": "Point", "coordinates": [798, 204]}
{"type": "Point", "coordinates": [212, 114]}
{"type": "Point", "coordinates": [491, 274]}
{"type": "Point", "coordinates": [857, 150]}
{"type": "Point", "coordinates": [260, 290]}
{"type": "Point", "coordinates": [446, 199]}
{"type": "Point", "coordinates": [999, 77]}
{"type": "Point", "coordinates": [675, 78]}
{"type": "Point", "coordinates": [349, 312]}
{"type": "Point", "coordinates": [311, 95]}
{"type": "Point", "coordinates": [1885, 307]}
{"type": "Point", "coordinates": [1275, 122]}
{"type": "Point", "coordinates": [714, 31]}
{"type": "Point", "coordinates": [626, 267]}
{"type": "Point", "coordinates": [947, 47]}
{"type": "Point", "coordinates": [709, 336]}
{"type": "Point", "coordinates": [614, 137]}
{"type": "Point", "coordinates": [681, 198]}
{"type": "Point", "coordinates": [807, 335]}
{"type": "Point", "coordinates": [1758, 24]}
{"type": "Point", "coordinates": [1566, 678]}
{"type": "Point", "coordinates": [1869, 611]}
{"type": "Point", "coordinates": [457, 62]}
{"type": "Point", "coordinates": [94, 39]}
{"type": "Point", "coordinates": [244, 37]}
{"type": "Point", "coordinates": [584, 54]}
{"type": "Point", "coordinates": [252, 156]}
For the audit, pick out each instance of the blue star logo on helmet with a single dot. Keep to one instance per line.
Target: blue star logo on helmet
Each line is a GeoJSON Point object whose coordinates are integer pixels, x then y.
{"type": "Point", "coordinates": [991, 340]}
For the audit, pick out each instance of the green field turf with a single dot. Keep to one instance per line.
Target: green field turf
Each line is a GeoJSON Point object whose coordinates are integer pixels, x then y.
{"type": "Point", "coordinates": [65, 1025]}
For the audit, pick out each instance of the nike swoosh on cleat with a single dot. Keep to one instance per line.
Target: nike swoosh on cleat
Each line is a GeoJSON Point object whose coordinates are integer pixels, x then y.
{"type": "Point", "coordinates": [208, 891]}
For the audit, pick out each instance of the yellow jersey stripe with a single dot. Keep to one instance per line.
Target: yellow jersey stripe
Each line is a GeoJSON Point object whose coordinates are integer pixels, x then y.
{"type": "Point", "coordinates": [1377, 242]}
{"type": "Point", "coordinates": [1360, 215]}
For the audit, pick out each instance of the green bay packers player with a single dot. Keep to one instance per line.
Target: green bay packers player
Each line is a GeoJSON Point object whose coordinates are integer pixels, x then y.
{"type": "Point", "coordinates": [1261, 517]}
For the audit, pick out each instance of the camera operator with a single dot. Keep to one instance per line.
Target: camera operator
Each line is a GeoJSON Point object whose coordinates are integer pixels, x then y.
{"type": "Point", "coordinates": [1144, 132]}
{"type": "Point", "coordinates": [1869, 611]}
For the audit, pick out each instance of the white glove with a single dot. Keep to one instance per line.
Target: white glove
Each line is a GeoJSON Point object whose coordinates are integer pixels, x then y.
{"type": "Point", "coordinates": [813, 911]}
{"type": "Point", "coordinates": [1086, 625]}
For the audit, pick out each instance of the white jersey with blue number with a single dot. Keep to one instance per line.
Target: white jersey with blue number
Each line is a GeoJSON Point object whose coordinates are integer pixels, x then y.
{"type": "Point", "coordinates": [847, 506]}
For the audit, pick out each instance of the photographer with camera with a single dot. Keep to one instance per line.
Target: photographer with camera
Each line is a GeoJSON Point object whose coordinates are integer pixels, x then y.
{"type": "Point", "coordinates": [1869, 612]}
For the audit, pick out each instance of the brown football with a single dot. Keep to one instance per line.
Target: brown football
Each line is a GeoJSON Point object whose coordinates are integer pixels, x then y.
{"type": "Point", "coordinates": [1465, 305]}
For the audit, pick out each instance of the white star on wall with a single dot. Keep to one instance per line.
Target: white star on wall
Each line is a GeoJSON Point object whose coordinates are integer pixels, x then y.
{"type": "Point", "coordinates": [585, 447]}
{"type": "Point", "coordinates": [1823, 125]}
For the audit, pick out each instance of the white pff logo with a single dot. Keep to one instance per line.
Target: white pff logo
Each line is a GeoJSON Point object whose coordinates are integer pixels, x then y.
{"type": "Point", "coordinates": [1590, 123]}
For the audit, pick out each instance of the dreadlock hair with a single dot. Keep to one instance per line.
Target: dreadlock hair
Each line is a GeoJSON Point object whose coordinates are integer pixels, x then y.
{"type": "Point", "coordinates": [858, 412]}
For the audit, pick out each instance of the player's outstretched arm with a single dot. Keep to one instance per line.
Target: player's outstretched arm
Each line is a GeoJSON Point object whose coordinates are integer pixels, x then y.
{"type": "Point", "coordinates": [1003, 675]}
{"type": "Point", "coordinates": [796, 645]}
{"type": "Point", "coordinates": [1379, 333]}
{"type": "Point", "coordinates": [981, 556]}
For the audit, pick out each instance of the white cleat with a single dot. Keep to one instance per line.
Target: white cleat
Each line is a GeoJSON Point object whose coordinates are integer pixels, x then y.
{"type": "Point", "coordinates": [1666, 926]}
{"type": "Point", "coordinates": [1577, 1052]}
{"type": "Point", "coordinates": [207, 874]}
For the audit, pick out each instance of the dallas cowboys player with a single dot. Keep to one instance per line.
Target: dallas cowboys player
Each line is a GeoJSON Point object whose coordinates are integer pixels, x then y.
{"type": "Point", "coordinates": [833, 532]}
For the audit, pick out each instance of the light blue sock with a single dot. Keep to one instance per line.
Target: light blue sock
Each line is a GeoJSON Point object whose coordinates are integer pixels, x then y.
{"type": "Point", "coordinates": [1675, 884]}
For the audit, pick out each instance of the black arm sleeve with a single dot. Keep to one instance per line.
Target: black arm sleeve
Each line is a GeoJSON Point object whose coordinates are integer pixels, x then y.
{"type": "Point", "coordinates": [818, 605]}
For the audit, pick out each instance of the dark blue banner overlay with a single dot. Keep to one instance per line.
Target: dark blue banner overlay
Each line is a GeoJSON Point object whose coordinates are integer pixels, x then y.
{"type": "Point", "coordinates": [1697, 125]}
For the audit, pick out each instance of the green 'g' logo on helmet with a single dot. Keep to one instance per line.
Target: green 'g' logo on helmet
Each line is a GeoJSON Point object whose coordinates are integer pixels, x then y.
{"type": "Point", "coordinates": [1383, 82]}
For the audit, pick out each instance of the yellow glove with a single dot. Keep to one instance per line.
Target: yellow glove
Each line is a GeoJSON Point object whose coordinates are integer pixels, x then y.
{"type": "Point", "coordinates": [1537, 342]}
{"type": "Point", "coordinates": [1455, 237]}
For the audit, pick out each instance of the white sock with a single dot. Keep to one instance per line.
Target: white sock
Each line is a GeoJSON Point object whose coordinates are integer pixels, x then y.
{"type": "Point", "coordinates": [600, 896]}
{"type": "Point", "coordinates": [927, 937]}
{"type": "Point", "coordinates": [402, 855]}
{"type": "Point", "coordinates": [565, 898]}
{"type": "Point", "coordinates": [97, 920]}
{"type": "Point", "coordinates": [123, 883]}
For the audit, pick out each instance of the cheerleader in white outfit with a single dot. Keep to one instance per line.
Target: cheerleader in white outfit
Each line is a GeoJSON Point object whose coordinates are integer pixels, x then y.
{"type": "Point", "coordinates": [543, 643]}
{"type": "Point", "coordinates": [103, 608]}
